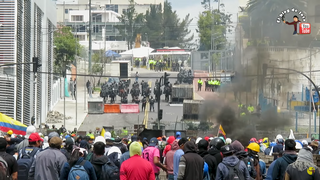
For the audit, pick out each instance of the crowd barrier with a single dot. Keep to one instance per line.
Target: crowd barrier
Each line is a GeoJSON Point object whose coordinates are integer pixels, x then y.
{"type": "Point", "coordinates": [111, 108]}
{"type": "Point", "coordinates": [130, 108]}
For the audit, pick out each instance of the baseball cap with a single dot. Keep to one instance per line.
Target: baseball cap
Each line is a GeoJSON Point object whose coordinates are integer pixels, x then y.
{"type": "Point", "coordinates": [53, 134]}
{"type": "Point", "coordinates": [69, 141]}
{"type": "Point", "coordinates": [56, 141]}
{"type": "Point", "coordinates": [35, 137]}
{"type": "Point", "coordinates": [134, 138]}
{"type": "Point", "coordinates": [153, 141]}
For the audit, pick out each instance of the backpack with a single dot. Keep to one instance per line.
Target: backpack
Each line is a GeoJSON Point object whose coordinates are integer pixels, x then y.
{"type": "Point", "coordinates": [114, 157]}
{"type": "Point", "coordinates": [110, 171]}
{"type": "Point", "coordinates": [78, 172]}
{"type": "Point", "coordinates": [4, 171]}
{"type": "Point", "coordinates": [25, 162]}
{"type": "Point", "coordinates": [234, 172]}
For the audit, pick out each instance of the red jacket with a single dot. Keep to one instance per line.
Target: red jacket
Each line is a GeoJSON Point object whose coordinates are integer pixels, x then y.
{"type": "Point", "coordinates": [136, 168]}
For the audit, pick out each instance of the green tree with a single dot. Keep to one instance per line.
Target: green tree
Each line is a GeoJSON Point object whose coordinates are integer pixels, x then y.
{"type": "Point", "coordinates": [66, 48]}
{"type": "Point", "coordinates": [164, 28]}
{"type": "Point", "coordinates": [212, 28]}
{"type": "Point", "coordinates": [132, 23]}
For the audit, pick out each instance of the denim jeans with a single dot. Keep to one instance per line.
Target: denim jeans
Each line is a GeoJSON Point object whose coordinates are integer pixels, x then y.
{"type": "Point", "coordinates": [170, 177]}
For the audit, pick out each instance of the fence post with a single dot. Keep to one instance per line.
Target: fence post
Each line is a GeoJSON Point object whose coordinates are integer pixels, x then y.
{"type": "Point", "coordinates": [296, 121]}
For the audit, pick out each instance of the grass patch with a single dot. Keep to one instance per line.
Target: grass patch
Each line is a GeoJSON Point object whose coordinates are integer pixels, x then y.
{"type": "Point", "coordinates": [97, 89]}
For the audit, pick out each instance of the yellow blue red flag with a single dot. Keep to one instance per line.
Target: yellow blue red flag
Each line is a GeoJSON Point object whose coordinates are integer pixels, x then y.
{"type": "Point", "coordinates": [7, 123]}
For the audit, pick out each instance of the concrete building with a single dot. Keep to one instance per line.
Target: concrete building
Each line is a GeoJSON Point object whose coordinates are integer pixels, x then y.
{"type": "Point", "coordinates": [27, 28]}
{"type": "Point", "coordinates": [75, 13]}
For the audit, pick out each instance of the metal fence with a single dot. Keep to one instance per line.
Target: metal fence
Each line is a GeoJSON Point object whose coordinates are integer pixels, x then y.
{"type": "Point", "coordinates": [56, 90]}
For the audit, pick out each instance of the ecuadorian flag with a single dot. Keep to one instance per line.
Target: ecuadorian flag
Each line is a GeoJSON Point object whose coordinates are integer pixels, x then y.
{"type": "Point", "coordinates": [7, 123]}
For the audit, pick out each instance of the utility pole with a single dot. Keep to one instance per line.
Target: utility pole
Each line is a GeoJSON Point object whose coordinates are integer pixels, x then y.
{"type": "Point", "coordinates": [90, 38]}
{"type": "Point", "coordinates": [310, 94]}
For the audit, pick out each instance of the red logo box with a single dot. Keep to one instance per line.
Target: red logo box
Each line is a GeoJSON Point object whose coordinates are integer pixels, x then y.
{"type": "Point", "coordinates": [304, 28]}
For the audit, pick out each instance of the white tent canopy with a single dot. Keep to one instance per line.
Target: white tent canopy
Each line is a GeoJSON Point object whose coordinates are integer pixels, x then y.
{"type": "Point", "coordinates": [138, 52]}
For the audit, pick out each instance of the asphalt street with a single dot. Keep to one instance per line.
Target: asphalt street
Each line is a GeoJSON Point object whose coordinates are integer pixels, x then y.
{"type": "Point", "coordinates": [170, 114]}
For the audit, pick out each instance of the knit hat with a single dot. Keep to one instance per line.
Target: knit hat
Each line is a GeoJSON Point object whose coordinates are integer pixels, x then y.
{"type": "Point", "coordinates": [237, 146]}
{"type": "Point", "coordinates": [305, 155]}
{"type": "Point", "coordinates": [135, 149]}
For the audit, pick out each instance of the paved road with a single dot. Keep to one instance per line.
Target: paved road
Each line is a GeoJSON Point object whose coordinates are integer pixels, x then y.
{"type": "Point", "coordinates": [170, 114]}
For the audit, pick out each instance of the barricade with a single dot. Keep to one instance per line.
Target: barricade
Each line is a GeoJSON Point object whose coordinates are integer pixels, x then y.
{"type": "Point", "coordinates": [130, 108]}
{"type": "Point", "coordinates": [111, 108]}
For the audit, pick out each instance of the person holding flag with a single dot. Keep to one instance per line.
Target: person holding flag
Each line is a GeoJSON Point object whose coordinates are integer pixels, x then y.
{"type": "Point", "coordinates": [221, 132]}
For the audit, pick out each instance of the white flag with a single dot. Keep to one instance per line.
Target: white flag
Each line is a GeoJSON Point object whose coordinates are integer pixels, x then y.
{"type": "Point", "coordinates": [291, 136]}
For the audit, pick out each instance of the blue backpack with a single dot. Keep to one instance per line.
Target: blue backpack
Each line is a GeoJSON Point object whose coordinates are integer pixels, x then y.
{"type": "Point", "coordinates": [25, 162]}
{"type": "Point", "coordinates": [78, 172]}
{"type": "Point", "coordinates": [110, 171]}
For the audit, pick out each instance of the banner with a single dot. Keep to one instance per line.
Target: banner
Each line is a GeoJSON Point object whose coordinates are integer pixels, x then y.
{"type": "Point", "coordinates": [7, 123]}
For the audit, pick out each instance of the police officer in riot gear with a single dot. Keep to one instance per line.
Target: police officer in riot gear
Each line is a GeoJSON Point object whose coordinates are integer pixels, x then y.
{"type": "Point", "coordinates": [151, 102]}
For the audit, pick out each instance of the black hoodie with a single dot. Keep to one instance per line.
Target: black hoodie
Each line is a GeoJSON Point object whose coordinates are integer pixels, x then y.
{"type": "Point", "coordinates": [213, 158]}
{"type": "Point", "coordinates": [97, 163]}
{"type": "Point", "coordinates": [202, 153]}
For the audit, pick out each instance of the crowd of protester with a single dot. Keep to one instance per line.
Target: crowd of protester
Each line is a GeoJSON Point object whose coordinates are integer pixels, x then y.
{"type": "Point", "coordinates": [54, 157]}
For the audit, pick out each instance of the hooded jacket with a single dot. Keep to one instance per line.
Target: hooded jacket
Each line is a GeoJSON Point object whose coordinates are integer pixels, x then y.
{"type": "Point", "coordinates": [202, 153]}
{"type": "Point", "coordinates": [97, 162]}
{"type": "Point", "coordinates": [213, 158]}
{"type": "Point", "coordinates": [176, 159]}
{"type": "Point", "coordinates": [191, 164]}
{"type": "Point", "coordinates": [282, 164]}
{"type": "Point", "coordinates": [223, 171]}
{"type": "Point", "coordinates": [169, 157]}
{"type": "Point", "coordinates": [303, 168]}
{"type": "Point", "coordinates": [244, 156]}
{"type": "Point", "coordinates": [168, 146]}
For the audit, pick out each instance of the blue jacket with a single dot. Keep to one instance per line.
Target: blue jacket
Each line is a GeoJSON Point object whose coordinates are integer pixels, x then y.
{"type": "Point", "coordinates": [281, 166]}
{"type": "Point", "coordinates": [124, 157]}
{"type": "Point", "coordinates": [263, 168]}
{"type": "Point", "coordinates": [176, 159]}
{"type": "Point", "coordinates": [270, 169]}
{"type": "Point", "coordinates": [87, 166]}
{"type": "Point", "coordinates": [223, 171]}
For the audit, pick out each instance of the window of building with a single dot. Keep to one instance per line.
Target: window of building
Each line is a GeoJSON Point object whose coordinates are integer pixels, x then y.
{"type": "Point", "coordinates": [77, 18]}
{"type": "Point", "coordinates": [66, 11]}
{"type": "Point", "coordinates": [112, 7]}
{"type": "Point", "coordinates": [317, 14]}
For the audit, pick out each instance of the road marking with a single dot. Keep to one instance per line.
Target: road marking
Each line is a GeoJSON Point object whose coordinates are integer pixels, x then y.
{"type": "Point", "coordinates": [146, 110]}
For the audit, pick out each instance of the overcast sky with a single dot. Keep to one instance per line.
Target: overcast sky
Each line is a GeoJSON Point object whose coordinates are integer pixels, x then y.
{"type": "Point", "coordinates": [193, 7]}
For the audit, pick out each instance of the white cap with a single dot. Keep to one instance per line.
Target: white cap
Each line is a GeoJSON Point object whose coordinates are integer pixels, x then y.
{"type": "Point", "coordinates": [107, 135]}
{"type": "Point", "coordinates": [30, 130]}
{"type": "Point", "coordinates": [228, 141]}
{"type": "Point", "coordinates": [279, 136]}
{"type": "Point", "coordinates": [304, 142]}
{"type": "Point", "coordinates": [100, 139]}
